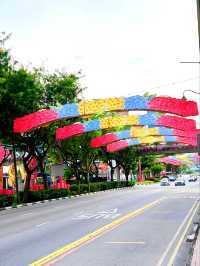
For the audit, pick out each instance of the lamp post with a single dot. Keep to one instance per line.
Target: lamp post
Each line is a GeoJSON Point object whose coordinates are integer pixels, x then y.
{"type": "Point", "coordinates": [16, 177]}
{"type": "Point", "coordinates": [189, 91]}
{"type": "Point", "coordinates": [198, 136]}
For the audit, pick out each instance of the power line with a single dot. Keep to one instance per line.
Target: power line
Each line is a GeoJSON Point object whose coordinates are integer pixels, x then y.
{"type": "Point", "coordinates": [177, 82]}
{"type": "Point", "coordinates": [169, 84]}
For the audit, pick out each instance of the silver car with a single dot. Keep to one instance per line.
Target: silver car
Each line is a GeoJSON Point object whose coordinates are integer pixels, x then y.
{"type": "Point", "coordinates": [164, 182]}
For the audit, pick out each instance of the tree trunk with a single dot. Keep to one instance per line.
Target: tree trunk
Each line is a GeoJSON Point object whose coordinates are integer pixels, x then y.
{"type": "Point", "coordinates": [126, 175]}
{"type": "Point", "coordinates": [29, 171]}
{"type": "Point", "coordinates": [27, 187]}
{"type": "Point", "coordinates": [112, 170]}
{"type": "Point", "coordinates": [96, 171]}
{"type": "Point", "coordinates": [42, 170]}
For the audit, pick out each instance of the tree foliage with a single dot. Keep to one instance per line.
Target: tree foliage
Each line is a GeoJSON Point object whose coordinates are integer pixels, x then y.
{"type": "Point", "coordinates": [23, 91]}
{"type": "Point", "coordinates": [156, 169]}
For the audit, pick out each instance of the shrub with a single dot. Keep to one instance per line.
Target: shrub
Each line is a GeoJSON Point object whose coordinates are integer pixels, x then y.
{"type": "Point", "coordinates": [74, 189]}
{"type": "Point", "coordinates": [131, 183]}
{"type": "Point", "coordinates": [6, 200]}
{"type": "Point", "coordinates": [84, 188]}
{"type": "Point", "coordinates": [103, 186]}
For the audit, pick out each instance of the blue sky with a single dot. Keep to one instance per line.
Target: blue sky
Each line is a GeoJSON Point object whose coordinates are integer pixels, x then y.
{"type": "Point", "coordinates": [122, 47]}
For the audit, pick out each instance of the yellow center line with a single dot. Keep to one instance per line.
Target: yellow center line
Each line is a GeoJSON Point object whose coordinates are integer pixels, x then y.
{"type": "Point", "coordinates": [91, 236]}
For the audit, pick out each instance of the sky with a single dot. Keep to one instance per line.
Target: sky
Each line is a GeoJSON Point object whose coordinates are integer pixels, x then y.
{"type": "Point", "coordinates": [123, 48]}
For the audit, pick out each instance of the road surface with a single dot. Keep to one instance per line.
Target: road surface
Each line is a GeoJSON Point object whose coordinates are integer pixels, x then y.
{"type": "Point", "coordinates": [140, 226]}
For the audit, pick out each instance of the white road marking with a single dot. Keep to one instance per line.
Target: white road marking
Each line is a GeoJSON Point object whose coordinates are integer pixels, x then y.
{"type": "Point", "coordinates": [39, 225]}
{"type": "Point", "coordinates": [105, 214]}
{"type": "Point", "coordinates": [175, 251]}
{"type": "Point", "coordinates": [160, 262]}
{"type": "Point", "coordinates": [28, 213]}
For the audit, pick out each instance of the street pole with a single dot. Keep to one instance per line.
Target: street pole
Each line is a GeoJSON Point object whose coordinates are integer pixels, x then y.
{"type": "Point", "coordinates": [15, 168]}
{"type": "Point", "coordinates": [198, 19]}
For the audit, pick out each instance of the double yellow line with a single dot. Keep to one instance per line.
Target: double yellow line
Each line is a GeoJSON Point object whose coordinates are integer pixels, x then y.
{"type": "Point", "coordinates": [93, 235]}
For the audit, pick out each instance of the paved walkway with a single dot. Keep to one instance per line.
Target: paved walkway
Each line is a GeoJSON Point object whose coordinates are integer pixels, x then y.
{"type": "Point", "coordinates": [196, 254]}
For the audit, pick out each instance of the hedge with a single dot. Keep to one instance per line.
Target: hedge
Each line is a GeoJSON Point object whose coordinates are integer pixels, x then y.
{"type": "Point", "coordinates": [6, 200]}
{"type": "Point", "coordinates": [39, 195]}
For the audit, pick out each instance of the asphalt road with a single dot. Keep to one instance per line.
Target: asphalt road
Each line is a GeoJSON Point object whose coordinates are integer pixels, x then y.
{"type": "Point", "coordinates": [149, 237]}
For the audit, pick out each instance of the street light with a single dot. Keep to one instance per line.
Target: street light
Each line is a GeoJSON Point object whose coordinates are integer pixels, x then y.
{"type": "Point", "coordinates": [198, 135]}
{"type": "Point", "coordinates": [184, 98]}
{"type": "Point", "coordinates": [190, 62]}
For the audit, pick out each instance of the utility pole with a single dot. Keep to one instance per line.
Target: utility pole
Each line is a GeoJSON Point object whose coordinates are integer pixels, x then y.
{"type": "Point", "coordinates": [15, 167]}
{"type": "Point", "coordinates": [198, 19]}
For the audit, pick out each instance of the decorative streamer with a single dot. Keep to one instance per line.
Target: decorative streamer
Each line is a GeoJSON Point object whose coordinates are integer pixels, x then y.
{"type": "Point", "coordinates": [42, 118]}
{"type": "Point", "coordinates": [137, 132]}
{"type": "Point", "coordinates": [122, 144]}
{"type": "Point", "coordinates": [148, 119]}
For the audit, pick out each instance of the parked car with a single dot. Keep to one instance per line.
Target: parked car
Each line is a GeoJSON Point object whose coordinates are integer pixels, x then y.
{"type": "Point", "coordinates": [192, 179]}
{"type": "Point", "coordinates": [164, 182]}
{"type": "Point", "coordinates": [180, 182]}
{"type": "Point", "coordinates": [172, 178]}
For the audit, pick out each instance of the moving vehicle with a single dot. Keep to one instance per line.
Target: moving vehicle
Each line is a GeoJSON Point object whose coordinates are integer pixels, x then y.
{"type": "Point", "coordinates": [192, 179]}
{"type": "Point", "coordinates": [180, 182]}
{"type": "Point", "coordinates": [172, 178]}
{"type": "Point", "coordinates": [164, 182]}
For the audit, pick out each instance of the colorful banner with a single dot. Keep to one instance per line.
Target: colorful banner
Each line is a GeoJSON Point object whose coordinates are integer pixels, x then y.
{"type": "Point", "coordinates": [139, 132]}
{"type": "Point", "coordinates": [41, 118]}
{"type": "Point", "coordinates": [148, 119]}
{"type": "Point", "coordinates": [122, 144]}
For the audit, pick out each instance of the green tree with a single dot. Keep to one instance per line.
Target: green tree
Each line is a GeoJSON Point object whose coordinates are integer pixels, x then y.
{"type": "Point", "coordinates": [77, 154]}
{"type": "Point", "coordinates": [23, 92]}
{"type": "Point", "coordinates": [156, 169]}
{"type": "Point", "coordinates": [127, 159]}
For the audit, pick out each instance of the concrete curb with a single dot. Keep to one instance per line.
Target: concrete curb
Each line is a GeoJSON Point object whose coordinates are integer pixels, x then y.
{"type": "Point", "coordinates": [62, 198]}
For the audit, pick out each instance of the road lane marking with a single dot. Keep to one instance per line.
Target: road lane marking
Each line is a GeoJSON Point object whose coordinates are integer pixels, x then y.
{"type": "Point", "coordinates": [105, 214]}
{"type": "Point", "coordinates": [182, 237]}
{"type": "Point", "coordinates": [192, 211]}
{"type": "Point", "coordinates": [39, 225]}
{"type": "Point", "coordinates": [91, 236]}
{"type": "Point", "coordinates": [126, 242]}
{"type": "Point", "coordinates": [28, 213]}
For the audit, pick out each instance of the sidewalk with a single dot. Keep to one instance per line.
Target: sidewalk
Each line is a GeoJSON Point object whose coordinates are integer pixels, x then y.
{"type": "Point", "coordinates": [196, 253]}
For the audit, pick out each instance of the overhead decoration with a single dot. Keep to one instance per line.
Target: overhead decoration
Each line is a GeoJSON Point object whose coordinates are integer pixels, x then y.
{"type": "Point", "coordinates": [122, 144]}
{"type": "Point", "coordinates": [188, 159]}
{"type": "Point", "coordinates": [138, 132]}
{"type": "Point", "coordinates": [168, 160]}
{"type": "Point", "coordinates": [148, 119]}
{"type": "Point", "coordinates": [42, 118]}
{"type": "Point", "coordinates": [165, 148]}
{"type": "Point", "coordinates": [190, 141]}
{"type": "Point", "coordinates": [183, 158]}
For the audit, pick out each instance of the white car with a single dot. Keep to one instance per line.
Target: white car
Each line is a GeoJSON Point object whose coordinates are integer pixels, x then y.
{"type": "Point", "coordinates": [164, 182]}
{"type": "Point", "coordinates": [180, 182]}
